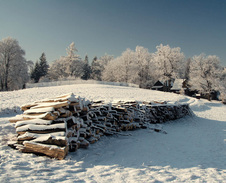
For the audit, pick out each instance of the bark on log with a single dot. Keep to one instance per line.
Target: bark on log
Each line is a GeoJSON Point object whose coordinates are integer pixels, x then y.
{"type": "Point", "coordinates": [52, 151]}
{"type": "Point", "coordinates": [41, 128]}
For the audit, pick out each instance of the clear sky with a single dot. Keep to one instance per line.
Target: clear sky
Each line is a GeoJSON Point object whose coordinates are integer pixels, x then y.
{"type": "Point", "coordinates": [110, 26]}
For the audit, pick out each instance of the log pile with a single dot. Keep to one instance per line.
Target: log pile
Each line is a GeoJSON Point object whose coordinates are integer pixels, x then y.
{"type": "Point", "coordinates": [53, 127]}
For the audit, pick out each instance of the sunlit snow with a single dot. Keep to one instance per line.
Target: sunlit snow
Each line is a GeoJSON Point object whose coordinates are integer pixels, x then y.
{"type": "Point", "coordinates": [193, 150]}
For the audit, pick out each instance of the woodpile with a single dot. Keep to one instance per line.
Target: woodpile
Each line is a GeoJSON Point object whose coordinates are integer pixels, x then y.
{"type": "Point", "coordinates": [53, 127]}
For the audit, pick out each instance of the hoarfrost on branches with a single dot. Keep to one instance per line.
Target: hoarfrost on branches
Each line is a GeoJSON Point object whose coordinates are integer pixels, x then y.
{"type": "Point", "coordinates": [169, 61]}
{"type": "Point", "coordinates": [131, 67]}
{"type": "Point", "coordinates": [67, 66]}
{"type": "Point", "coordinates": [98, 66]}
{"type": "Point", "coordinates": [205, 73]}
{"type": "Point", "coordinates": [12, 63]}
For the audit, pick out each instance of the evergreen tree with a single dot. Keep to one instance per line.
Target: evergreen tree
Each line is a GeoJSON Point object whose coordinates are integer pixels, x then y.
{"type": "Point", "coordinates": [86, 69]}
{"type": "Point", "coordinates": [35, 73]}
{"type": "Point", "coordinates": [40, 69]}
{"type": "Point", "coordinates": [95, 67]}
{"type": "Point", "coordinates": [94, 61]}
{"type": "Point", "coordinates": [86, 59]}
{"type": "Point", "coordinates": [43, 65]}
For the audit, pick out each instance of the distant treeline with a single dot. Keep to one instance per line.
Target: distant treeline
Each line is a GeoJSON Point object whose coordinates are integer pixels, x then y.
{"type": "Point", "coordinates": [203, 72]}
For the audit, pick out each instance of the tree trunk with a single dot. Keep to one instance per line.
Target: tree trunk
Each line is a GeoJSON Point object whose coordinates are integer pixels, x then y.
{"type": "Point", "coordinates": [5, 84]}
{"type": "Point", "coordinates": [209, 96]}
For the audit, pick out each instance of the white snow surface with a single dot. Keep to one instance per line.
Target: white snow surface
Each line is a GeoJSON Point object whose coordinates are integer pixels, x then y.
{"type": "Point", "coordinates": [193, 150]}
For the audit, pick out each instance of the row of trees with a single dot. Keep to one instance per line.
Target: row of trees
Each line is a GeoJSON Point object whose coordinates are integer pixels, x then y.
{"type": "Point", "coordinates": [15, 70]}
{"type": "Point", "coordinates": [141, 67]}
{"type": "Point", "coordinates": [203, 73]}
{"type": "Point", "coordinates": [72, 66]}
{"type": "Point", "coordinates": [138, 66]}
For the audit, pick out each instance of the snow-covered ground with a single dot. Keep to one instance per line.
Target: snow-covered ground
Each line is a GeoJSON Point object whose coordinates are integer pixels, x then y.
{"type": "Point", "coordinates": [193, 150]}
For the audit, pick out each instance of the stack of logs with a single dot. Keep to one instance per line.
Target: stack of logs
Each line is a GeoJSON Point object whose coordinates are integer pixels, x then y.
{"type": "Point", "coordinates": [53, 127]}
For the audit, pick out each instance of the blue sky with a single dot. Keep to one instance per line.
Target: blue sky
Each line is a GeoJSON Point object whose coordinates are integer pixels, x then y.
{"type": "Point", "coordinates": [110, 26]}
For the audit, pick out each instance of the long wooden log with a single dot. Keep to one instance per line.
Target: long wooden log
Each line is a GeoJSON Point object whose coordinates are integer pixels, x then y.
{"type": "Point", "coordinates": [27, 106]}
{"type": "Point", "coordinates": [52, 140]}
{"type": "Point", "coordinates": [32, 136]}
{"type": "Point", "coordinates": [16, 118]}
{"type": "Point", "coordinates": [41, 128]}
{"type": "Point", "coordinates": [39, 110]}
{"type": "Point", "coordinates": [56, 105]}
{"type": "Point", "coordinates": [34, 122]}
{"type": "Point", "coordinates": [52, 151]}
{"type": "Point", "coordinates": [46, 116]}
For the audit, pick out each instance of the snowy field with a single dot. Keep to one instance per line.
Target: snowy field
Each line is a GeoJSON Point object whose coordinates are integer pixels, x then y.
{"type": "Point", "coordinates": [193, 150]}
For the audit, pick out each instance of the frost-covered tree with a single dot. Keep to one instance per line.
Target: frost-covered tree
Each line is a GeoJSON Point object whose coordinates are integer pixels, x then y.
{"type": "Point", "coordinates": [169, 62]}
{"type": "Point", "coordinates": [98, 66]}
{"type": "Point", "coordinates": [131, 67]}
{"type": "Point", "coordinates": [205, 73]}
{"type": "Point", "coordinates": [13, 66]}
{"type": "Point", "coordinates": [187, 69]}
{"type": "Point", "coordinates": [72, 62]}
{"type": "Point", "coordinates": [124, 68]}
{"type": "Point", "coordinates": [30, 66]}
{"type": "Point", "coordinates": [117, 71]}
{"type": "Point", "coordinates": [127, 66]}
{"type": "Point", "coordinates": [143, 61]}
{"type": "Point", "coordinates": [112, 71]}
{"type": "Point", "coordinates": [57, 70]}
{"type": "Point", "coordinates": [222, 88]}
{"type": "Point", "coordinates": [67, 66]}
{"type": "Point", "coordinates": [120, 69]}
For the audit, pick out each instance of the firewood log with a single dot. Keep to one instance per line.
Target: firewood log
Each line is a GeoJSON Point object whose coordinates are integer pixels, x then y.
{"type": "Point", "coordinates": [33, 121]}
{"type": "Point", "coordinates": [16, 118]}
{"type": "Point", "coordinates": [46, 116]}
{"type": "Point", "coordinates": [27, 106]}
{"type": "Point", "coordinates": [32, 136]}
{"type": "Point", "coordinates": [39, 111]}
{"type": "Point", "coordinates": [40, 128]}
{"type": "Point", "coordinates": [83, 142]}
{"type": "Point", "coordinates": [52, 151]}
{"type": "Point", "coordinates": [52, 140]}
{"type": "Point", "coordinates": [55, 105]}
{"type": "Point", "coordinates": [92, 140]}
